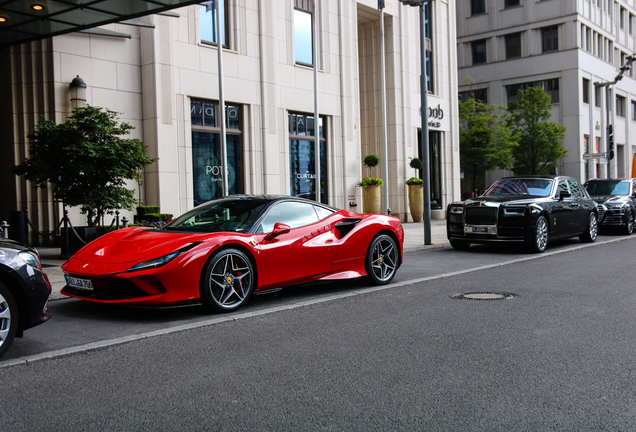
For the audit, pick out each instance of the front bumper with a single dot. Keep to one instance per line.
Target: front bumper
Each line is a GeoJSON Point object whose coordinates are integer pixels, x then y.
{"type": "Point", "coordinates": [485, 226]}
{"type": "Point", "coordinates": [613, 217]}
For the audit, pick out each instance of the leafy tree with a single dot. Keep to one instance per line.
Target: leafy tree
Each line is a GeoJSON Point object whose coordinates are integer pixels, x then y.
{"type": "Point", "coordinates": [539, 139]}
{"type": "Point", "coordinates": [88, 161]}
{"type": "Point", "coordinates": [485, 140]}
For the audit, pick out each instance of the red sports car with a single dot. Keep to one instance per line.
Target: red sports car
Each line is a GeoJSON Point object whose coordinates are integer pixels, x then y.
{"type": "Point", "coordinates": [220, 252]}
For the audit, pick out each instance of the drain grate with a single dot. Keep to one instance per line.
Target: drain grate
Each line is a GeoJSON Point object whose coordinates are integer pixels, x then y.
{"type": "Point", "coordinates": [481, 296]}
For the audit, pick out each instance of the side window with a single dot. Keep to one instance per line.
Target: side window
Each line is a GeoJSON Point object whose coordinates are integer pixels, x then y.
{"type": "Point", "coordinates": [563, 186]}
{"type": "Point", "coordinates": [323, 212]}
{"type": "Point", "coordinates": [294, 214]}
{"type": "Point", "coordinates": [575, 188]}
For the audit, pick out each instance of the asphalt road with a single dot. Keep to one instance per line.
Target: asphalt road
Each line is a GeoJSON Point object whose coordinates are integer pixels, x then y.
{"type": "Point", "coordinates": [560, 355]}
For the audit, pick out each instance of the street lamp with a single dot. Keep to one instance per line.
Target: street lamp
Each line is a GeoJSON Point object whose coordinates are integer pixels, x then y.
{"type": "Point", "coordinates": [78, 92]}
{"type": "Point", "coordinates": [608, 108]}
{"type": "Point", "coordinates": [424, 113]}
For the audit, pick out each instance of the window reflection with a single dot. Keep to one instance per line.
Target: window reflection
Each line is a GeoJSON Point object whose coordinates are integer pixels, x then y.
{"type": "Point", "coordinates": [207, 16]}
{"type": "Point", "coordinates": [303, 37]}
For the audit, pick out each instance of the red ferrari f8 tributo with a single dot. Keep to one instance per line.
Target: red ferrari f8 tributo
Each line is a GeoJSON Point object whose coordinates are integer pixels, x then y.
{"type": "Point", "coordinates": [222, 251]}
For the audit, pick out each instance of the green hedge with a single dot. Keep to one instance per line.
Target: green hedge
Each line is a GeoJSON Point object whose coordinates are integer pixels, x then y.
{"type": "Point", "coordinates": [157, 217]}
{"type": "Point", "coordinates": [144, 210]}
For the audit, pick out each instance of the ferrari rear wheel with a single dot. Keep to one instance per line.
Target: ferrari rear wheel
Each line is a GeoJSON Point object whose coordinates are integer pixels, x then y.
{"type": "Point", "coordinates": [382, 260]}
{"type": "Point", "coordinates": [8, 318]}
{"type": "Point", "coordinates": [228, 281]}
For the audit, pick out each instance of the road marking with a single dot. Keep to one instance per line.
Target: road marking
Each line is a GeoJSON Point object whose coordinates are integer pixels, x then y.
{"type": "Point", "coordinates": [245, 315]}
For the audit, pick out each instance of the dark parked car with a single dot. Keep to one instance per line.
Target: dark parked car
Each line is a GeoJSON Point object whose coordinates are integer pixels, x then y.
{"type": "Point", "coordinates": [24, 291]}
{"type": "Point", "coordinates": [532, 209]}
{"type": "Point", "coordinates": [618, 196]}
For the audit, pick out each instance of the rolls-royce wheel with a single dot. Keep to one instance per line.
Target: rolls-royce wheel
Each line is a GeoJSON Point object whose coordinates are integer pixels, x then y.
{"type": "Point", "coordinates": [459, 244]}
{"type": "Point", "coordinates": [628, 228]}
{"type": "Point", "coordinates": [228, 281]}
{"type": "Point", "coordinates": [382, 260]}
{"type": "Point", "coordinates": [590, 234]}
{"type": "Point", "coordinates": [8, 318]}
{"type": "Point", "coordinates": [537, 238]}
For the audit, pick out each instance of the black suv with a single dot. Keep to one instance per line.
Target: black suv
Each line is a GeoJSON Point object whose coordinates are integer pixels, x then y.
{"type": "Point", "coordinates": [618, 196]}
{"type": "Point", "coordinates": [24, 291]}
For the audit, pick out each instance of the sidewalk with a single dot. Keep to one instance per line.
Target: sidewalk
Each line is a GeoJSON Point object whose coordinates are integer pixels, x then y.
{"type": "Point", "coordinates": [413, 241]}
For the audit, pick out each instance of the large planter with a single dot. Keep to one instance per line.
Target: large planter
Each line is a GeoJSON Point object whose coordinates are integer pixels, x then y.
{"type": "Point", "coordinates": [416, 202]}
{"type": "Point", "coordinates": [371, 198]}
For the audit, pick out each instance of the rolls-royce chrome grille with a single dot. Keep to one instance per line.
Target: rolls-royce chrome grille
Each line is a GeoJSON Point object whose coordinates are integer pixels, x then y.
{"type": "Point", "coordinates": [481, 215]}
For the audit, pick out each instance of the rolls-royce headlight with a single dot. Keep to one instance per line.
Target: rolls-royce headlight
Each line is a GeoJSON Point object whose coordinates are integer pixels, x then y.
{"type": "Point", "coordinates": [514, 211]}
{"type": "Point", "coordinates": [456, 209]}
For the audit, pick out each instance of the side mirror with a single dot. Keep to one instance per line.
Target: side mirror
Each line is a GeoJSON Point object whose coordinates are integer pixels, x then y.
{"type": "Point", "coordinates": [563, 195]}
{"type": "Point", "coordinates": [279, 228]}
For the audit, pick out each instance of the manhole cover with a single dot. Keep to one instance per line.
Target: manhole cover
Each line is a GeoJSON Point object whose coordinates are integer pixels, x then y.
{"type": "Point", "coordinates": [483, 296]}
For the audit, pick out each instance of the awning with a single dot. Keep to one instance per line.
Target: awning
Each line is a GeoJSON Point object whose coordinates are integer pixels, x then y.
{"type": "Point", "coordinates": [25, 20]}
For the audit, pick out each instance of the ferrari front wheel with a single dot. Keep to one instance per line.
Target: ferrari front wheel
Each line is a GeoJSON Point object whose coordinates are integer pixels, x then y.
{"type": "Point", "coordinates": [8, 318]}
{"type": "Point", "coordinates": [228, 281]}
{"type": "Point", "coordinates": [382, 260]}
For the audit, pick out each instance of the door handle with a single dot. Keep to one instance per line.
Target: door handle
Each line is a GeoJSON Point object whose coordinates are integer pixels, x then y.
{"type": "Point", "coordinates": [329, 241]}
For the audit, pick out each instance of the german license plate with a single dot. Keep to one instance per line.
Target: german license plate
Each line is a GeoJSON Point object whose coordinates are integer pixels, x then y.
{"type": "Point", "coordinates": [480, 230]}
{"type": "Point", "coordinates": [82, 284]}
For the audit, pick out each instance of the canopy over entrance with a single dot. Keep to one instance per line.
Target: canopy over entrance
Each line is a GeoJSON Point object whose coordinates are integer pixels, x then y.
{"type": "Point", "coordinates": [25, 21]}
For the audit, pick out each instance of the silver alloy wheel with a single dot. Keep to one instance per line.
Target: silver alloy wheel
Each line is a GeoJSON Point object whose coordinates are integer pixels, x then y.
{"type": "Point", "coordinates": [593, 227]}
{"type": "Point", "coordinates": [384, 259]}
{"type": "Point", "coordinates": [629, 227]}
{"type": "Point", "coordinates": [230, 280]}
{"type": "Point", "coordinates": [541, 234]}
{"type": "Point", "coordinates": [5, 320]}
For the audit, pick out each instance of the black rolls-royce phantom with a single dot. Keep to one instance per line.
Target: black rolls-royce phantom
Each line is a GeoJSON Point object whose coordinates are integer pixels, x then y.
{"type": "Point", "coordinates": [530, 209]}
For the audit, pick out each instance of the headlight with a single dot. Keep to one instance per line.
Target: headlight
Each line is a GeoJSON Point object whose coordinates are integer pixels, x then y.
{"type": "Point", "coordinates": [456, 210]}
{"type": "Point", "coordinates": [30, 258]}
{"type": "Point", "coordinates": [162, 261]}
{"type": "Point", "coordinates": [615, 205]}
{"type": "Point", "coordinates": [157, 262]}
{"type": "Point", "coordinates": [514, 211]}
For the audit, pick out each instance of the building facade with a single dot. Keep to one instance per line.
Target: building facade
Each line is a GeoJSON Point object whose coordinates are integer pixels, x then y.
{"type": "Point", "coordinates": [566, 47]}
{"type": "Point", "coordinates": [162, 76]}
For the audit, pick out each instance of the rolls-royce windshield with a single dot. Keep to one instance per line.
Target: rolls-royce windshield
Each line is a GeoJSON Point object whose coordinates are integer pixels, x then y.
{"type": "Point", "coordinates": [533, 187]}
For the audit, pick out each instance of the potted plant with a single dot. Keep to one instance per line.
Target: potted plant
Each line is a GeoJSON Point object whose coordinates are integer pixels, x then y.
{"type": "Point", "coordinates": [371, 187]}
{"type": "Point", "coordinates": [416, 192]}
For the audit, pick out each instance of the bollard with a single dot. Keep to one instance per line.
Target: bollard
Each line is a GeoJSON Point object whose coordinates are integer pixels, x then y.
{"type": "Point", "coordinates": [117, 219]}
{"type": "Point", "coordinates": [124, 222]}
{"type": "Point", "coordinates": [64, 249]}
{"type": "Point", "coordinates": [4, 227]}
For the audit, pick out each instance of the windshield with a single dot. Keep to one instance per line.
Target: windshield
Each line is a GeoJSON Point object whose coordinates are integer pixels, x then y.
{"type": "Point", "coordinates": [233, 215]}
{"type": "Point", "coordinates": [534, 187]}
{"type": "Point", "coordinates": [607, 187]}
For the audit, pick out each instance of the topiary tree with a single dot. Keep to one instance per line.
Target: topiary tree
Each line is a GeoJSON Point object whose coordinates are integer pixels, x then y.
{"type": "Point", "coordinates": [88, 160]}
{"type": "Point", "coordinates": [371, 161]}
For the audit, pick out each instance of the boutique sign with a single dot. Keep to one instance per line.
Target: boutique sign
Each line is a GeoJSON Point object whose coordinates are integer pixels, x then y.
{"type": "Point", "coordinates": [435, 115]}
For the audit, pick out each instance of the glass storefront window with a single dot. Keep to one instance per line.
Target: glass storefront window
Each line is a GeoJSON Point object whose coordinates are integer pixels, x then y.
{"type": "Point", "coordinates": [206, 151]}
{"type": "Point", "coordinates": [302, 157]}
{"type": "Point", "coordinates": [435, 165]}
